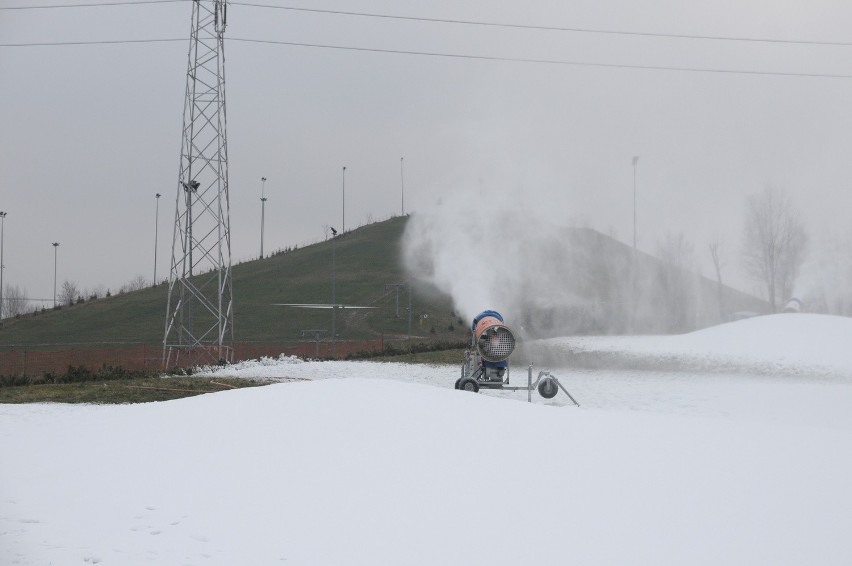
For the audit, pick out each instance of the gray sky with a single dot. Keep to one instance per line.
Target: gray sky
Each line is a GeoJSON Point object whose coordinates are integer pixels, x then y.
{"type": "Point", "coordinates": [89, 133]}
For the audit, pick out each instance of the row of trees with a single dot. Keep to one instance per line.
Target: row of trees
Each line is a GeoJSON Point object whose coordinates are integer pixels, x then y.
{"type": "Point", "coordinates": [773, 249]}
{"type": "Point", "coordinates": [17, 301]}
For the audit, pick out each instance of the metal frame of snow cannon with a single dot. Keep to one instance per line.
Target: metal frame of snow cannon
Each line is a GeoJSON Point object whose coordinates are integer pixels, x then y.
{"type": "Point", "coordinates": [486, 363]}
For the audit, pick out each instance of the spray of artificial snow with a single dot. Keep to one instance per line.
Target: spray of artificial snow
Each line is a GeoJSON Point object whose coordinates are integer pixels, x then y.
{"type": "Point", "coordinates": [496, 248]}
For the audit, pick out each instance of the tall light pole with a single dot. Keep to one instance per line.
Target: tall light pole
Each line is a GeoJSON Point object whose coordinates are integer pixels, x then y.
{"type": "Point", "coordinates": [635, 161]}
{"type": "Point", "coordinates": [2, 267]}
{"type": "Point", "coordinates": [262, 211]}
{"type": "Point", "coordinates": [402, 186]}
{"type": "Point", "coordinates": [55, 247]}
{"type": "Point", "coordinates": [334, 291]}
{"type": "Point", "coordinates": [343, 231]}
{"type": "Point", "coordinates": [633, 278]}
{"type": "Point", "coordinates": [156, 233]}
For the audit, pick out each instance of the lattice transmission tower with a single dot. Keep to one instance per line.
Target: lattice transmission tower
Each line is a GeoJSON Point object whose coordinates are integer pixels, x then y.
{"type": "Point", "coordinates": [199, 314]}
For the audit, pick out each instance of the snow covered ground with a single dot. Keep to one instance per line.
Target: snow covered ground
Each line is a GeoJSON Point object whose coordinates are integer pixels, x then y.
{"type": "Point", "coordinates": [376, 463]}
{"type": "Point", "coordinates": [786, 344]}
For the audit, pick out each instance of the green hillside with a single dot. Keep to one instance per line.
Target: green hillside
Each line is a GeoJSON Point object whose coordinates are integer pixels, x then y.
{"type": "Point", "coordinates": [594, 267]}
{"type": "Point", "coordinates": [367, 259]}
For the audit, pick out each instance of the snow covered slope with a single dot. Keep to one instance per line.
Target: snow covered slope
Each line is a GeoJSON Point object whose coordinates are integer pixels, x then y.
{"type": "Point", "coordinates": [372, 463]}
{"type": "Point", "coordinates": [781, 343]}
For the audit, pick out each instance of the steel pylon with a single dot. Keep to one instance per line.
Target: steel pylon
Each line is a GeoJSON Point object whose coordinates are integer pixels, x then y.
{"type": "Point", "coordinates": [199, 314]}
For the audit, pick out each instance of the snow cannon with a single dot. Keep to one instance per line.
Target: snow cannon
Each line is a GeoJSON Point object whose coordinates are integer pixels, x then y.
{"type": "Point", "coordinates": [793, 305]}
{"type": "Point", "coordinates": [486, 362]}
{"type": "Point", "coordinates": [493, 339]}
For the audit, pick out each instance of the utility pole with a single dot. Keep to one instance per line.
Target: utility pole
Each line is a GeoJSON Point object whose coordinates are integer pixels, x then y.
{"type": "Point", "coordinates": [199, 326]}
{"type": "Point", "coordinates": [262, 211]}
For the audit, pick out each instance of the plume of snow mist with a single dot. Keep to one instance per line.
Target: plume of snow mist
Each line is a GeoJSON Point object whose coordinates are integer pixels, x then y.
{"type": "Point", "coordinates": [825, 282]}
{"type": "Point", "coordinates": [488, 249]}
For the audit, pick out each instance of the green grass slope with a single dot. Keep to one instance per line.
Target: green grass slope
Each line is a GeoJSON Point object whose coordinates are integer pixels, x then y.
{"type": "Point", "coordinates": [366, 260]}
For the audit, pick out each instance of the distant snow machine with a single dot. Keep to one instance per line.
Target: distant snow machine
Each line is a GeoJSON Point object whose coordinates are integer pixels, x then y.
{"type": "Point", "coordinates": [486, 362]}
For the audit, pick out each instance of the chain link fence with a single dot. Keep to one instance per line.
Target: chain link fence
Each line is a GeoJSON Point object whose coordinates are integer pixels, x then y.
{"type": "Point", "coordinates": [139, 357]}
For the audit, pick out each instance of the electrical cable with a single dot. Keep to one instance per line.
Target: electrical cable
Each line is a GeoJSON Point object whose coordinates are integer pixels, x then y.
{"type": "Point", "coordinates": [462, 22]}
{"type": "Point", "coordinates": [455, 56]}
{"type": "Point", "coordinates": [549, 28]}
{"type": "Point", "coordinates": [548, 61]}
{"type": "Point", "coordinates": [96, 42]}
{"type": "Point", "coordinates": [92, 4]}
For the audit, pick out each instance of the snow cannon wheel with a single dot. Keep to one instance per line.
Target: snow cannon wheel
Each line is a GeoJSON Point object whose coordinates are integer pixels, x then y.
{"type": "Point", "coordinates": [457, 383]}
{"type": "Point", "coordinates": [468, 384]}
{"type": "Point", "coordinates": [547, 388]}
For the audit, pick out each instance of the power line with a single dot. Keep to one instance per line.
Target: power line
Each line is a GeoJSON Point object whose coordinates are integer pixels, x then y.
{"type": "Point", "coordinates": [457, 56]}
{"type": "Point", "coordinates": [461, 22]}
{"type": "Point", "coordinates": [92, 5]}
{"type": "Point", "coordinates": [548, 61]}
{"type": "Point", "coordinates": [104, 42]}
{"type": "Point", "coordinates": [549, 28]}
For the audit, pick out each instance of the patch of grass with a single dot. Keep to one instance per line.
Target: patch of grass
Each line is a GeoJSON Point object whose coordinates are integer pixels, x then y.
{"type": "Point", "coordinates": [139, 390]}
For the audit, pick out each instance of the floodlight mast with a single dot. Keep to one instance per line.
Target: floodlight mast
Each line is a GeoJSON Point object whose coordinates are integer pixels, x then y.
{"type": "Point", "coordinates": [199, 325]}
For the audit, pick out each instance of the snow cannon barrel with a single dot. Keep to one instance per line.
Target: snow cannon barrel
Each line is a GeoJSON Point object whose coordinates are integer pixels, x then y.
{"type": "Point", "coordinates": [493, 339]}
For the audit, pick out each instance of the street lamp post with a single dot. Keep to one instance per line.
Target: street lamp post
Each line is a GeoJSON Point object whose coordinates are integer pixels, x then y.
{"type": "Point", "coordinates": [156, 233]}
{"type": "Point", "coordinates": [334, 291]}
{"type": "Point", "coordinates": [2, 267]}
{"type": "Point", "coordinates": [633, 278]}
{"type": "Point", "coordinates": [55, 247]}
{"type": "Point", "coordinates": [343, 231]}
{"type": "Point", "coordinates": [635, 161]}
{"type": "Point", "coordinates": [262, 211]}
{"type": "Point", "coordinates": [402, 186]}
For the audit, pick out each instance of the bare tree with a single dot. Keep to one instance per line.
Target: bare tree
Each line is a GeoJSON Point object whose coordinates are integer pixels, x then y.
{"type": "Point", "coordinates": [773, 244]}
{"type": "Point", "coordinates": [15, 301]}
{"type": "Point", "coordinates": [325, 229]}
{"type": "Point", "coordinates": [68, 293]}
{"type": "Point", "coordinates": [135, 284]}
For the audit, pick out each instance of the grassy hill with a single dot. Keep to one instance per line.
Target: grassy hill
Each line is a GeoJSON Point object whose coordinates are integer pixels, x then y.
{"type": "Point", "coordinates": [367, 259]}
{"type": "Point", "coordinates": [594, 266]}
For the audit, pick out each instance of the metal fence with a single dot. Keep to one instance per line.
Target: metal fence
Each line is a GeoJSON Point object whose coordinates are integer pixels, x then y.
{"type": "Point", "coordinates": [138, 357]}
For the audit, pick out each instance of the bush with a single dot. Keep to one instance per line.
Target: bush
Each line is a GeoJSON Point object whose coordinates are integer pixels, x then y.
{"type": "Point", "coordinates": [77, 374]}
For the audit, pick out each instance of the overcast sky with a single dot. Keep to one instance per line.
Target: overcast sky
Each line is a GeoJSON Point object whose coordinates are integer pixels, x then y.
{"type": "Point", "coordinates": [89, 133]}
